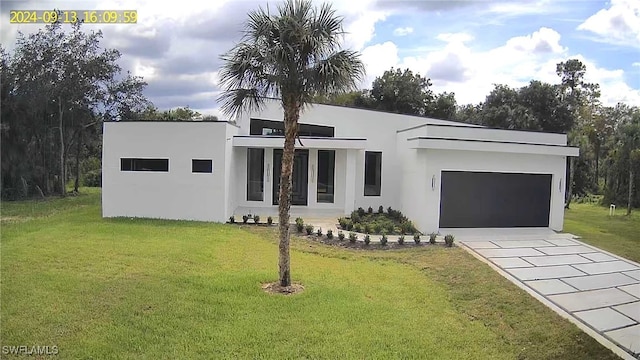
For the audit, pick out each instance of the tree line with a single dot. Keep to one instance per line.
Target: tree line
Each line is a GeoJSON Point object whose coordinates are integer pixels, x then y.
{"type": "Point", "coordinates": [608, 136]}
{"type": "Point", "coordinates": [57, 87]}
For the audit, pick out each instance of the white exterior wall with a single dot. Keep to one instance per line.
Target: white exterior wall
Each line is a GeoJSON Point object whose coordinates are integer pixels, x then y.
{"type": "Point", "coordinates": [414, 179]}
{"type": "Point", "coordinates": [428, 206]}
{"type": "Point", "coordinates": [379, 128]}
{"type": "Point", "coordinates": [178, 193]}
{"type": "Point", "coordinates": [341, 185]}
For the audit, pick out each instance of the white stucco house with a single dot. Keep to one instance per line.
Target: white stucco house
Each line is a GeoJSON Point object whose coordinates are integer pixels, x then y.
{"type": "Point", "coordinates": [440, 174]}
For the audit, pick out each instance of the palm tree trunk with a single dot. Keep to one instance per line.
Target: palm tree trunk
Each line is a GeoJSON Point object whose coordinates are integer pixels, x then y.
{"type": "Point", "coordinates": [630, 188]}
{"type": "Point", "coordinates": [570, 182]}
{"type": "Point", "coordinates": [291, 115]}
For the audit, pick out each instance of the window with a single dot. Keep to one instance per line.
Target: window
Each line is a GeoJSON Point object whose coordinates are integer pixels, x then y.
{"type": "Point", "coordinates": [201, 166]}
{"type": "Point", "coordinates": [276, 128]}
{"type": "Point", "coordinates": [326, 166]}
{"type": "Point", "coordinates": [133, 164]}
{"type": "Point", "coordinates": [372, 173]}
{"type": "Point", "coordinates": [255, 171]}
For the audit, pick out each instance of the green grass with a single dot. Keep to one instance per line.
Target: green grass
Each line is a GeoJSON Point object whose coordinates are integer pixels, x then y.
{"type": "Point", "coordinates": [151, 289]}
{"type": "Point", "coordinates": [619, 234]}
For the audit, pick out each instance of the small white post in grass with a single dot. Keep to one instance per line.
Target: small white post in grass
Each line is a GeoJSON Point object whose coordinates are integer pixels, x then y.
{"type": "Point", "coordinates": [612, 209]}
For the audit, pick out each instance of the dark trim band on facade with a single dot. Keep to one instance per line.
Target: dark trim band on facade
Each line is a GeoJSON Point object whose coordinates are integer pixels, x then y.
{"type": "Point", "coordinates": [301, 137]}
{"type": "Point", "coordinates": [479, 127]}
{"type": "Point", "coordinates": [486, 141]}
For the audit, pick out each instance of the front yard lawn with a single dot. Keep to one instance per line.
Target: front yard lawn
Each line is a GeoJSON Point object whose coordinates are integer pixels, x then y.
{"type": "Point", "coordinates": [619, 234]}
{"type": "Point", "coordinates": [152, 289]}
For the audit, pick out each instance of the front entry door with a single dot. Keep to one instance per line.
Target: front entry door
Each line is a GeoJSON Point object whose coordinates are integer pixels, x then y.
{"type": "Point", "coordinates": [300, 176]}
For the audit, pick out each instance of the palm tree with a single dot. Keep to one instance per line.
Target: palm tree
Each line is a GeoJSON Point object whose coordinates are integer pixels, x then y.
{"type": "Point", "coordinates": [293, 55]}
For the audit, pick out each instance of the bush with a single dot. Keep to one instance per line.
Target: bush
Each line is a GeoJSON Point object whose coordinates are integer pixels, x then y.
{"type": "Point", "coordinates": [370, 210]}
{"type": "Point", "coordinates": [299, 224]}
{"type": "Point", "coordinates": [432, 238]}
{"type": "Point", "coordinates": [256, 219]}
{"type": "Point", "coordinates": [448, 240]}
{"type": "Point", "coordinates": [309, 229]}
{"type": "Point", "coordinates": [329, 234]}
{"type": "Point", "coordinates": [407, 227]}
{"type": "Point", "coordinates": [367, 239]}
{"type": "Point", "coordinates": [343, 222]}
{"type": "Point", "coordinates": [93, 178]}
{"type": "Point", "coordinates": [391, 228]}
{"type": "Point", "coordinates": [349, 225]}
{"type": "Point", "coordinates": [319, 232]}
{"type": "Point", "coordinates": [361, 212]}
{"type": "Point", "coordinates": [366, 228]}
{"type": "Point", "coordinates": [245, 218]}
{"type": "Point", "coordinates": [377, 227]}
{"type": "Point", "coordinates": [355, 218]}
{"type": "Point", "coordinates": [401, 240]}
{"type": "Point", "coordinates": [416, 238]}
{"type": "Point", "coordinates": [232, 219]}
{"type": "Point", "coordinates": [353, 237]}
{"type": "Point", "coordinates": [269, 220]}
{"type": "Point", "coordinates": [357, 227]}
{"type": "Point", "coordinates": [381, 209]}
{"type": "Point", "coordinates": [340, 235]}
{"type": "Point", "coordinates": [383, 239]}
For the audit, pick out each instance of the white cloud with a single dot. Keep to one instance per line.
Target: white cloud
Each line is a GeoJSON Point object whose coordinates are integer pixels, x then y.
{"type": "Point", "coordinates": [455, 67]}
{"type": "Point", "coordinates": [544, 40]}
{"type": "Point", "coordinates": [377, 59]}
{"type": "Point", "coordinates": [520, 8]}
{"type": "Point", "coordinates": [361, 29]}
{"type": "Point", "coordinates": [619, 24]}
{"type": "Point", "coordinates": [455, 37]}
{"type": "Point", "coordinates": [403, 31]}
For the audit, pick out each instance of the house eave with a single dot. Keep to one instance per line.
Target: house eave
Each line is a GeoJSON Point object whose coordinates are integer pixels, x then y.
{"type": "Point", "coordinates": [491, 146]}
{"type": "Point", "coordinates": [309, 142]}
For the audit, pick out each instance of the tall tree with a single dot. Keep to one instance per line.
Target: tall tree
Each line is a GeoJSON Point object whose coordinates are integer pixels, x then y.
{"type": "Point", "coordinates": [401, 91]}
{"type": "Point", "coordinates": [55, 85]}
{"type": "Point", "coordinates": [293, 55]}
{"type": "Point", "coordinates": [574, 91]}
{"type": "Point", "coordinates": [443, 106]}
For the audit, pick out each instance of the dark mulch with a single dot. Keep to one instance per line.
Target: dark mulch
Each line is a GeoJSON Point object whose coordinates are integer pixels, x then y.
{"type": "Point", "coordinates": [360, 245]}
{"type": "Point", "coordinates": [275, 288]}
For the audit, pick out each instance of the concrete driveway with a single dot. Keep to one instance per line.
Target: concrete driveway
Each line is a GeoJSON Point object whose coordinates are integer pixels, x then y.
{"type": "Point", "coordinates": [596, 290]}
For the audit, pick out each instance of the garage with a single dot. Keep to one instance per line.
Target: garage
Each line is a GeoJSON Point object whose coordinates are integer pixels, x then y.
{"type": "Point", "coordinates": [494, 200]}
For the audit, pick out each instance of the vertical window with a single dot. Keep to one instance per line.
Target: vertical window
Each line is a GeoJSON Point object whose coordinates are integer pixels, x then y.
{"type": "Point", "coordinates": [326, 167]}
{"type": "Point", "coordinates": [135, 164]}
{"type": "Point", "coordinates": [255, 171]}
{"type": "Point", "coordinates": [201, 166]}
{"type": "Point", "coordinates": [372, 173]}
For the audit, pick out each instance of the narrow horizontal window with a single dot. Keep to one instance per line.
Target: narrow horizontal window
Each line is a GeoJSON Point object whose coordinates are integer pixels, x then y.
{"type": "Point", "coordinates": [372, 173]}
{"type": "Point", "coordinates": [135, 164]}
{"type": "Point", "coordinates": [201, 165]}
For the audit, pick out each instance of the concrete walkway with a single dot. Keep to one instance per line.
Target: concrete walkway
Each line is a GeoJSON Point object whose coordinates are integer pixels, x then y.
{"type": "Point", "coordinates": [596, 290]}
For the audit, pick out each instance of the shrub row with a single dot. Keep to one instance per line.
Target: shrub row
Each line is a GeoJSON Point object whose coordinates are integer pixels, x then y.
{"type": "Point", "coordinates": [254, 218]}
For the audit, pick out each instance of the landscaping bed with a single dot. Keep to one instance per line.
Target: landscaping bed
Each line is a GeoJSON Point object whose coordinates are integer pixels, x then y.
{"type": "Point", "coordinates": [379, 222]}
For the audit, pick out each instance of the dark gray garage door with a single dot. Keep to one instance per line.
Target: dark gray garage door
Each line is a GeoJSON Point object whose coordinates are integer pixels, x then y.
{"type": "Point", "coordinates": [485, 199]}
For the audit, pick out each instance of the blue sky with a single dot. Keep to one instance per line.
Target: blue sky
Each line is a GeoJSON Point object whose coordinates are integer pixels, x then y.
{"type": "Point", "coordinates": [463, 46]}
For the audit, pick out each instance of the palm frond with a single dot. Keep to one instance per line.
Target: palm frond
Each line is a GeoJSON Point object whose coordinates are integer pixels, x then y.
{"type": "Point", "coordinates": [236, 101]}
{"type": "Point", "coordinates": [293, 54]}
{"type": "Point", "coordinates": [339, 72]}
